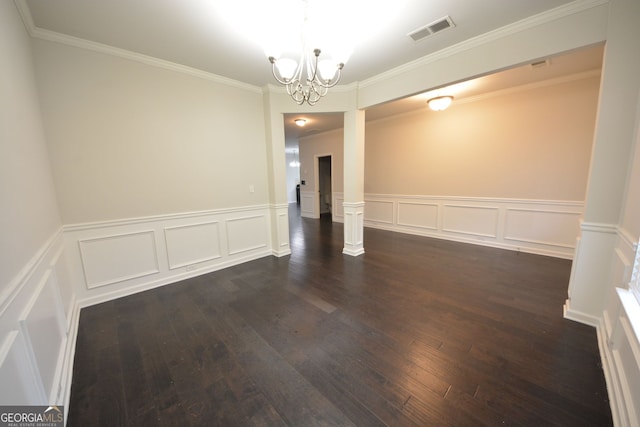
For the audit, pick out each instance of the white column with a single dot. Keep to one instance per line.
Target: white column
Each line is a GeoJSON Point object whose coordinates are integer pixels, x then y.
{"type": "Point", "coordinates": [277, 169]}
{"type": "Point", "coordinates": [353, 182]}
{"type": "Point", "coordinates": [612, 148]}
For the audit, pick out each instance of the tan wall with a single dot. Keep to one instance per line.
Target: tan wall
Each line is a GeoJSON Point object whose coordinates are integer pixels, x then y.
{"type": "Point", "coordinates": [322, 145]}
{"type": "Point", "coordinates": [131, 140]}
{"type": "Point", "coordinates": [532, 144]}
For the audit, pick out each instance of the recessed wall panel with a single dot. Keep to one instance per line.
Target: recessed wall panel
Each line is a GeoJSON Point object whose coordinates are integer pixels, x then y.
{"type": "Point", "coordinates": [192, 243]}
{"type": "Point", "coordinates": [307, 203]}
{"type": "Point", "coordinates": [472, 220]}
{"type": "Point", "coordinates": [542, 227]}
{"type": "Point", "coordinates": [116, 258]}
{"type": "Point", "coordinates": [20, 384]}
{"type": "Point", "coordinates": [421, 215]}
{"type": "Point", "coordinates": [246, 234]}
{"type": "Point", "coordinates": [42, 325]}
{"type": "Point", "coordinates": [379, 211]}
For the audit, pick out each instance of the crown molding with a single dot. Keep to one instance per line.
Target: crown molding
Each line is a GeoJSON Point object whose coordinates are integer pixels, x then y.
{"type": "Point", "coordinates": [508, 30]}
{"type": "Point", "coordinates": [25, 14]}
{"type": "Point", "coordinates": [493, 94]}
{"type": "Point", "coordinates": [55, 37]}
{"type": "Point", "coordinates": [535, 85]}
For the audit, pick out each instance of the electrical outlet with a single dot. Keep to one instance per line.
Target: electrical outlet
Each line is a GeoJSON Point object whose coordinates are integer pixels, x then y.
{"type": "Point", "coordinates": [190, 267]}
{"type": "Point", "coordinates": [251, 189]}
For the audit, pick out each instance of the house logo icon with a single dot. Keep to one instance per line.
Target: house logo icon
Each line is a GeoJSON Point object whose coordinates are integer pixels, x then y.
{"type": "Point", "coordinates": [53, 408]}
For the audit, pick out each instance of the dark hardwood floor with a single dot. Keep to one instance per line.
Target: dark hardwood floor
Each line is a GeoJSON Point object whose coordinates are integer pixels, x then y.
{"type": "Point", "coordinates": [417, 331]}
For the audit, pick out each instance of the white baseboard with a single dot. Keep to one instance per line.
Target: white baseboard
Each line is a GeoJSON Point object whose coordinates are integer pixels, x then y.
{"type": "Point", "coordinates": [580, 317]}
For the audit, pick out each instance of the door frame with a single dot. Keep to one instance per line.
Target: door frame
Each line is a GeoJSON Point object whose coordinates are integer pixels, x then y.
{"type": "Point", "coordinates": [316, 177]}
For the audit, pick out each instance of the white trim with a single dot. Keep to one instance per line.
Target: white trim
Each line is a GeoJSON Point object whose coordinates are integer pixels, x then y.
{"type": "Point", "coordinates": [597, 227]}
{"type": "Point", "coordinates": [425, 227]}
{"type": "Point", "coordinates": [81, 43]}
{"type": "Point", "coordinates": [579, 316]}
{"type": "Point", "coordinates": [123, 292]}
{"type": "Point", "coordinates": [354, 204]}
{"type": "Point", "coordinates": [66, 375]}
{"type": "Point", "coordinates": [122, 278]}
{"type": "Point", "coordinates": [497, 34]}
{"type": "Point", "coordinates": [15, 286]}
{"type": "Point", "coordinates": [531, 86]}
{"type": "Point", "coordinates": [471, 233]}
{"type": "Point", "coordinates": [620, 345]}
{"type": "Point", "coordinates": [173, 266]}
{"type": "Point", "coordinates": [632, 309]}
{"type": "Point", "coordinates": [568, 203]}
{"type": "Point", "coordinates": [166, 217]}
{"type": "Point", "coordinates": [539, 242]}
{"type": "Point", "coordinates": [628, 238]}
{"type": "Point", "coordinates": [251, 248]}
{"type": "Point", "coordinates": [496, 229]}
{"type": "Point", "coordinates": [609, 375]}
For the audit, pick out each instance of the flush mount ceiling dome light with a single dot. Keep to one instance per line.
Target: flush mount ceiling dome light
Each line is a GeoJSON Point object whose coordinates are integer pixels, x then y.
{"type": "Point", "coordinates": [440, 103]}
{"type": "Point", "coordinates": [300, 122]}
{"type": "Point", "coordinates": [308, 42]}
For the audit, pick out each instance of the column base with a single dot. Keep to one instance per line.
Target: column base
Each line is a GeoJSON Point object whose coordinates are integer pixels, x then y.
{"type": "Point", "coordinates": [353, 228]}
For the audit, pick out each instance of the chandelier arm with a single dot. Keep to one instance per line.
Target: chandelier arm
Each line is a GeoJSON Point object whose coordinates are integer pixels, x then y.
{"type": "Point", "coordinates": [317, 89]}
{"type": "Point", "coordinates": [313, 77]}
{"type": "Point", "coordinates": [275, 75]}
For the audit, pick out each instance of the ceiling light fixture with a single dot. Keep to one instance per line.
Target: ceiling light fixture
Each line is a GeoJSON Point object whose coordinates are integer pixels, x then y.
{"type": "Point", "coordinates": [440, 103]}
{"type": "Point", "coordinates": [300, 122]}
{"type": "Point", "coordinates": [308, 79]}
{"type": "Point", "coordinates": [295, 163]}
{"type": "Point", "coordinates": [308, 42]}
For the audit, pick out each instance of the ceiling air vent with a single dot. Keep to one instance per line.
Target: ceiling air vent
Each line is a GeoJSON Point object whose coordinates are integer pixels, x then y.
{"type": "Point", "coordinates": [540, 64]}
{"type": "Point", "coordinates": [430, 29]}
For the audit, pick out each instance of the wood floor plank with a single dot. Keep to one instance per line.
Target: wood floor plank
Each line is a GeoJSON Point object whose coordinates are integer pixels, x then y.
{"type": "Point", "coordinates": [415, 332]}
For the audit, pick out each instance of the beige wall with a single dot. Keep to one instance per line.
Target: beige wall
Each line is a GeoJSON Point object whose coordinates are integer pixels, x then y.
{"type": "Point", "coordinates": [322, 145]}
{"type": "Point", "coordinates": [29, 214]}
{"type": "Point", "coordinates": [130, 140]}
{"type": "Point", "coordinates": [532, 144]}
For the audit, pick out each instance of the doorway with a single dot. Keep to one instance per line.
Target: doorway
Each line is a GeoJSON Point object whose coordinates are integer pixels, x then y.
{"type": "Point", "coordinates": [325, 188]}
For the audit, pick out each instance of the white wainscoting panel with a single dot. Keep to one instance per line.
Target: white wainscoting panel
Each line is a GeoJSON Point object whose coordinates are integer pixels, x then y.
{"type": "Point", "coordinates": [308, 200]}
{"type": "Point", "coordinates": [542, 227]}
{"type": "Point", "coordinates": [419, 215]}
{"type": "Point", "coordinates": [283, 229]}
{"type": "Point", "coordinates": [192, 243]}
{"type": "Point", "coordinates": [619, 335]}
{"type": "Point", "coordinates": [60, 271]}
{"type": "Point", "coordinates": [42, 325]}
{"type": "Point", "coordinates": [129, 256]}
{"type": "Point", "coordinates": [474, 220]}
{"type": "Point", "coordinates": [247, 234]}
{"type": "Point", "coordinates": [380, 211]}
{"type": "Point", "coordinates": [19, 385]}
{"type": "Point", "coordinates": [545, 227]}
{"type": "Point", "coordinates": [338, 207]}
{"type": "Point", "coordinates": [112, 259]}
{"type": "Point", "coordinates": [37, 314]}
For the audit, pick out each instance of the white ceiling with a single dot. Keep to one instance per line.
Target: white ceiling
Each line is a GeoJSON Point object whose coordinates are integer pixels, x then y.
{"type": "Point", "coordinates": [191, 33]}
